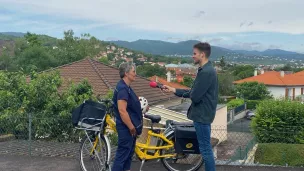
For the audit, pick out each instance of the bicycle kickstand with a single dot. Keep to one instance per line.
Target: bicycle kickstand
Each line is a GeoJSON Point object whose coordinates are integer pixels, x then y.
{"type": "Point", "coordinates": [142, 164]}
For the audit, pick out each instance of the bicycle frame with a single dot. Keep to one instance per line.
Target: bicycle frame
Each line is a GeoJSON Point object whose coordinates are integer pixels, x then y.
{"type": "Point", "coordinates": [141, 149]}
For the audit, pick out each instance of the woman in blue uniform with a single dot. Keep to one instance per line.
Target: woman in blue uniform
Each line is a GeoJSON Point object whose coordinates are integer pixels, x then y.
{"type": "Point", "coordinates": [128, 117]}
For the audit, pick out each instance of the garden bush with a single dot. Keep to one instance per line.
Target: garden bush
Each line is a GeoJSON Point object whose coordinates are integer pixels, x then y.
{"type": "Point", "coordinates": [252, 104]}
{"type": "Point", "coordinates": [279, 121]}
{"type": "Point", "coordinates": [38, 98]}
{"type": "Point", "coordinates": [280, 154]}
{"type": "Point", "coordinates": [235, 103]}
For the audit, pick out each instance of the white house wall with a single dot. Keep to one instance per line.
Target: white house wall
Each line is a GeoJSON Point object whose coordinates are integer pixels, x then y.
{"type": "Point", "coordinates": [279, 92]}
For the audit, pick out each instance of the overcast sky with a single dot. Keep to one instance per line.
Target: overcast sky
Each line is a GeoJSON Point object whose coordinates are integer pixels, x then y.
{"type": "Point", "coordinates": [236, 24]}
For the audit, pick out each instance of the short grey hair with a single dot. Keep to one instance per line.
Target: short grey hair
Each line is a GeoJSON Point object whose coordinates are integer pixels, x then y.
{"type": "Point", "coordinates": [125, 67]}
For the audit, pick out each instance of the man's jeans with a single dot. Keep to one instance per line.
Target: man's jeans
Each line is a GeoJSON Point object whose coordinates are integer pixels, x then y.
{"type": "Point", "coordinates": [203, 133]}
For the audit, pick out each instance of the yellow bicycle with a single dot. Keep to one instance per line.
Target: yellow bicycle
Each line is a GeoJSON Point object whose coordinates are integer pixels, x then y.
{"type": "Point", "coordinates": [175, 156]}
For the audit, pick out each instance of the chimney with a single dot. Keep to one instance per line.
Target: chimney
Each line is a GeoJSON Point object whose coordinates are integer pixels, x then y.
{"type": "Point", "coordinates": [156, 79]}
{"type": "Point", "coordinates": [282, 73]}
{"type": "Point", "coordinates": [262, 71]}
{"type": "Point", "coordinates": [255, 72]}
{"type": "Point", "coordinates": [168, 76]}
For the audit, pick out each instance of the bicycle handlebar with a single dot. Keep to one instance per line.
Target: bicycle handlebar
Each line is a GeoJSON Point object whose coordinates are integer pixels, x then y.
{"type": "Point", "coordinates": [107, 101]}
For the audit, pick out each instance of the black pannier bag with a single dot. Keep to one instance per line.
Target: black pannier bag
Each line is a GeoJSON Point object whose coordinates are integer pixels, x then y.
{"type": "Point", "coordinates": [186, 140]}
{"type": "Point", "coordinates": [88, 109]}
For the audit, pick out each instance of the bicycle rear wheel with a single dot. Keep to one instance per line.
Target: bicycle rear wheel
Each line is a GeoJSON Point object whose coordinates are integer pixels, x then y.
{"type": "Point", "coordinates": [93, 159]}
{"type": "Point", "coordinates": [182, 162]}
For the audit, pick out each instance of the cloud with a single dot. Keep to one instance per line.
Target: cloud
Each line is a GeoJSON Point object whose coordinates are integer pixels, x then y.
{"type": "Point", "coordinates": [250, 24]}
{"type": "Point", "coordinates": [269, 22]}
{"type": "Point", "coordinates": [242, 23]}
{"type": "Point", "coordinates": [173, 16]}
{"type": "Point", "coordinates": [215, 40]}
{"type": "Point", "coordinates": [173, 39]}
{"type": "Point", "coordinates": [237, 45]}
{"type": "Point", "coordinates": [275, 47]}
{"type": "Point", "coordinates": [199, 14]}
{"type": "Point", "coordinates": [112, 39]}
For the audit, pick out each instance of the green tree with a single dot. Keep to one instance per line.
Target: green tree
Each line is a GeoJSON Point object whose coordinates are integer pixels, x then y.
{"type": "Point", "coordinates": [286, 67]}
{"type": "Point", "coordinates": [226, 86]}
{"type": "Point", "coordinates": [183, 61]}
{"type": "Point", "coordinates": [20, 46]}
{"type": "Point", "coordinates": [242, 71]}
{"type": "Point", "coordinates": [39, 95]}
{"type": "Point", "coordinates": [252, 91]}
{"type": "Point", "coordinates": [32, 39]}
{"type": "Point", "coordinates": [104, 60]}
{"type": "Point", "coordinates": [37, 56]}
{"type": "Point", "coordinates": [187, 81]}
{"type": "Point", "coordinates": [111, 56]}
{"type": "Point", "coordinates": [222, 62]}
{"type": "Point", "coordinates": [7, 61]}
{"type": "Point", "coordinates": [148, 70]}
{"type": "Point", "coordinates": [72, 48]}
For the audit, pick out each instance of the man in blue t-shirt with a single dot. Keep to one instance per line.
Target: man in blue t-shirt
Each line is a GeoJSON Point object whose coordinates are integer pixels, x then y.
{"type": "Point", "coordinates": [129, 118]}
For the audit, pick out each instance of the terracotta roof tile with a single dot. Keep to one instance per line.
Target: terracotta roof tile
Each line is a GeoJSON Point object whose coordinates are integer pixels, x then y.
{"type": "Point", "coordinates": [103, 78]}
{"type": "Point", "coordinates": [165, 82]}
{"type": "Point", "coordinates": [274, 78]}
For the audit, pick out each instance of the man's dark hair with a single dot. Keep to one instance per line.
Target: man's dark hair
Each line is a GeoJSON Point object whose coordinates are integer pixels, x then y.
{"type": "Point", "coordinates": [203, 47]}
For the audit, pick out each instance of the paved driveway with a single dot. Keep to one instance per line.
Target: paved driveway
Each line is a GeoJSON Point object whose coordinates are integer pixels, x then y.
{"type": "Point", "coordinates": [25, 163]}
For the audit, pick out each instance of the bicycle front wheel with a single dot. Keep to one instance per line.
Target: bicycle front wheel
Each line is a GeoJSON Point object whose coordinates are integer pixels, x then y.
{"type": "Point", "coordinates": [93, 153]}
{"type": "Point", "coordinates": [181, 162]}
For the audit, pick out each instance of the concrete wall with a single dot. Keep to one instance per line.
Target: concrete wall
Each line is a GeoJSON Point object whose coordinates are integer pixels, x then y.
{"type": "Point", "coordinates": [219, 125]}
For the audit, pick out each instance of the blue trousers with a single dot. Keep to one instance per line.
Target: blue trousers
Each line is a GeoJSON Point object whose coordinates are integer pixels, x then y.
{"type": "Point", "coordinates": [125, 150]}
{"type": "Point", "coordinates": [203, 133]}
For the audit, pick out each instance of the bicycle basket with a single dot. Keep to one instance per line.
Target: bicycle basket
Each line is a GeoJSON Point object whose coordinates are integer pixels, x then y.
{"type": "Point", "coordinates": [89, 114]}
{"type": "Point", "coordinates": [186, 140]}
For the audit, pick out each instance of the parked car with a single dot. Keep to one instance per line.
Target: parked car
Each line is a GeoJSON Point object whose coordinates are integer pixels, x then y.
{"type": "Point", "coordinates": [249, 114]}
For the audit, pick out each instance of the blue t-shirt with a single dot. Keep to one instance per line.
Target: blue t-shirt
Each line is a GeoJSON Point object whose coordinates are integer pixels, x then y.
{"type": "Point", "coordinates": [124, 92]}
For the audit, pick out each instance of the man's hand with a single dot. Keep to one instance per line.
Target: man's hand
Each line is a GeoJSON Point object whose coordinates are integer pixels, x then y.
{"type": "Point", "coordinates": [168, 89]}
{"type": "Point", "coordinates": [133, 131]}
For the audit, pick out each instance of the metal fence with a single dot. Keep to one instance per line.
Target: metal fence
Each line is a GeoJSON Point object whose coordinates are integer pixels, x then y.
{"type": "Point", "coordinates": [236, 113]}
{"type": "Point", "coordinates": [56, 137]}
{"type": "Point", "coordinates": [240, 108]}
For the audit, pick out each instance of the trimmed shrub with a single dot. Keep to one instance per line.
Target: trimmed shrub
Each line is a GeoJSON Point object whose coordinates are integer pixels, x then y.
{"type": "Point", "coordinates": [235, 103]}
{"type": "Point", "coordinates": [279, 121]}
{"type": "Point", "coordinates": [252, 104]}
{"type": "Point", "coordinates": [280, 154]}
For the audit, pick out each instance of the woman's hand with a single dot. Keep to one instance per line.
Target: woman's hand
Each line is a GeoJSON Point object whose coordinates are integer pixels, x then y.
{"type": "Point", "coordinates": [133, 131]}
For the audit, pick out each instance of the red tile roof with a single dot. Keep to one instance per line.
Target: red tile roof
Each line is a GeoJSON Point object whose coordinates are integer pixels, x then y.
{"type": "Point", "coordinates": [165, 82]}
{"type": "Point", "coordinates": [103, 78]}
{"type": "Point", "coordinates": [274, 78]}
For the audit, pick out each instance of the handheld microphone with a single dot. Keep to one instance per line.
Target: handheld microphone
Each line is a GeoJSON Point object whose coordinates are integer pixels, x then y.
{"type": "Point", "coordinates": [154, 84]}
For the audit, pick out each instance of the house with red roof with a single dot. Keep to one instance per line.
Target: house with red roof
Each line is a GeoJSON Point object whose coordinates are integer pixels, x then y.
{"type": "Point", "coordinates": [167, 82]}
{"type": "Point", "coordinates": [280, 84]}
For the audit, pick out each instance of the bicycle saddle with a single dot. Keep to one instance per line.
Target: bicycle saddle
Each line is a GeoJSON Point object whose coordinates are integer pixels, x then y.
{"type": "Point", "coordinates": [153, 118]}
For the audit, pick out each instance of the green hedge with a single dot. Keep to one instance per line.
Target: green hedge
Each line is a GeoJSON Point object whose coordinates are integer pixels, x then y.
{"type": "Point", "coordinates": [252, 104]}
{"type": "Point", "coordinates": [235, 103]}
{"type": "Point", "coordinates": [279, 122]}
{"type": "Point", "coordinates": [280, 154]}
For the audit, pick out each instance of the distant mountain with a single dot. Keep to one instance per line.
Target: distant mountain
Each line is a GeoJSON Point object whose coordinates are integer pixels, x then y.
{"type": "Point", "coordinates": [16, 34]}
{"type": "Point", "coordinates": [158, 47]}
{"type": "Point", "coordinates": [273, 52]}
{"type": "Point", "coordinates": [268, 52]}
{"type": "Point", "coordinates": [185, 48]}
